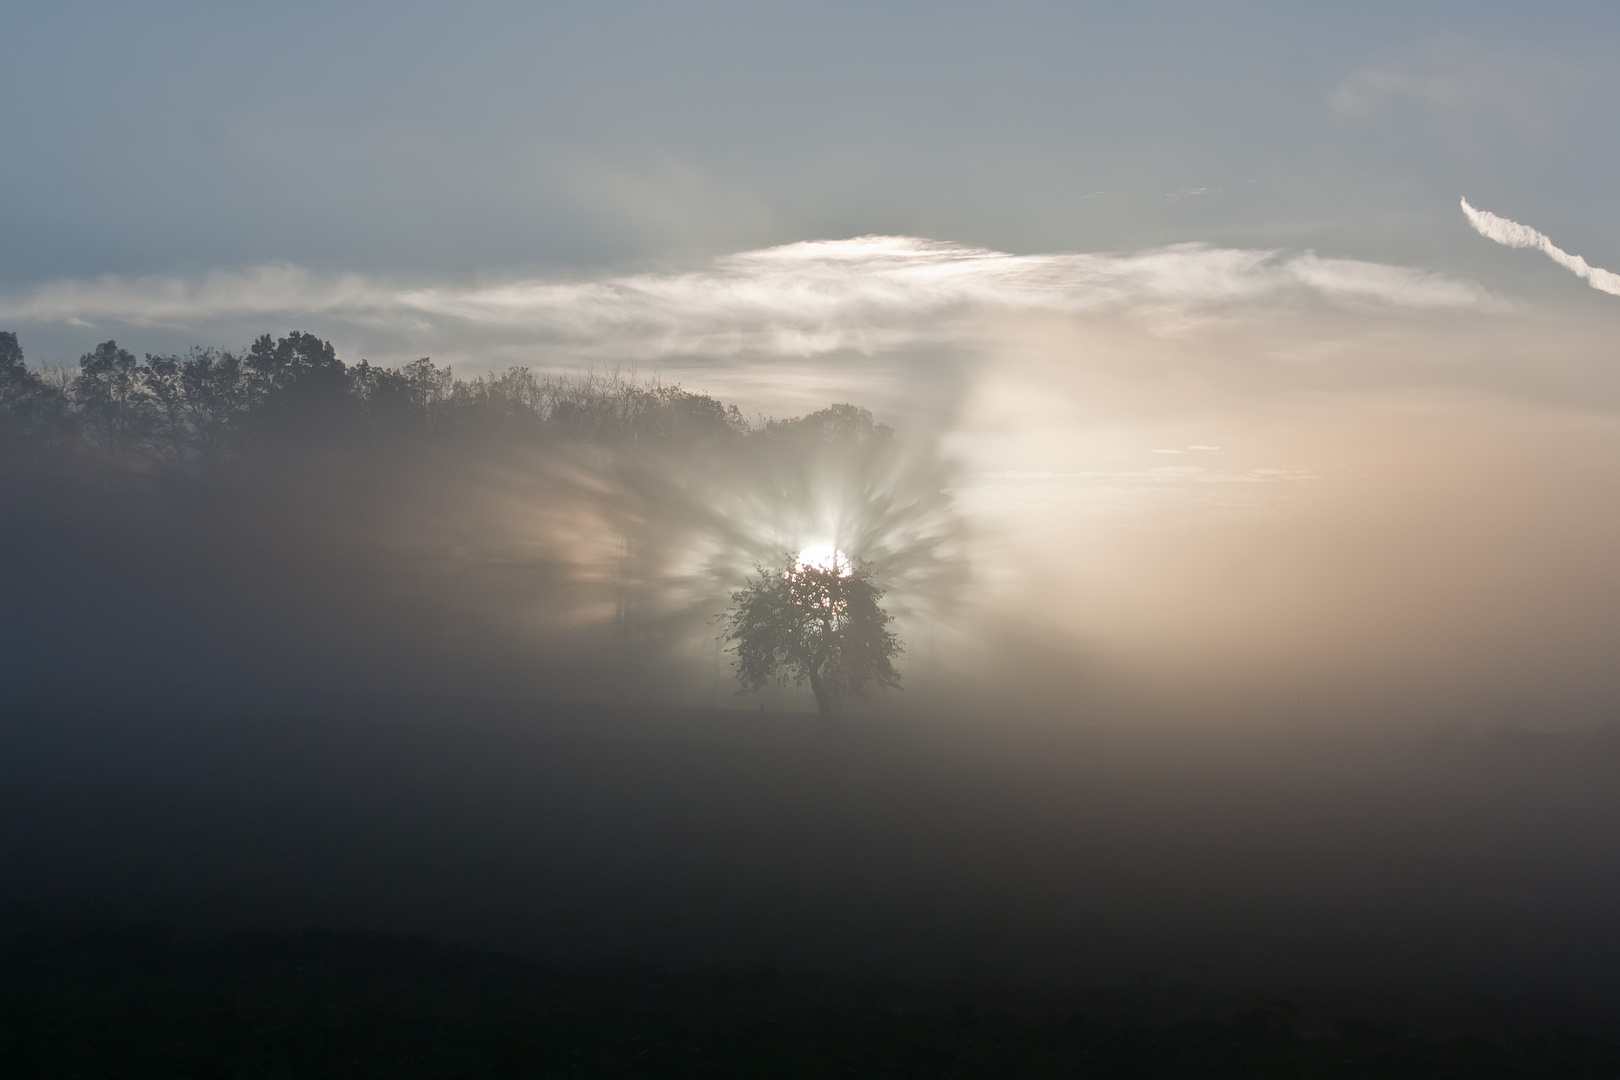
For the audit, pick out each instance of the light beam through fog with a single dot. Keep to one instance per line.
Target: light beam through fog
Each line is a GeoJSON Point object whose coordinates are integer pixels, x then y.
{"type": "Point", "coordinates": [1121, 485]}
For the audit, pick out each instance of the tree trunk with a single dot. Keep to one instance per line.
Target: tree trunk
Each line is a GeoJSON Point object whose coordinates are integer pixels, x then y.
{"type": "Point", "coordinates": [823, 704]}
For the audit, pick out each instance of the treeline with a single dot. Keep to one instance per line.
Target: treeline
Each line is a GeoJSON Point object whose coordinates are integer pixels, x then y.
{"type": "Point", "coordinates": [277, 518]}
{"type": "Point", "coordinates": [209, 406]}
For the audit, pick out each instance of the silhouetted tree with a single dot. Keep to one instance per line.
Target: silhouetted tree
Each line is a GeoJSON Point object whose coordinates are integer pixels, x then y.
{"type": "Point", "coordinates": [14, 373]}
{"type": "Point", "coordinates": [429, 385]}
{"type": "Point", "coordinates": [20, 390]}
{"type": "Point", "coordinates": [403, 401]}
{"type": "Point", "coordinates": [819, 624]}
{"type": "Point", "coordinates": [217, 393]}
{"type": "Point", "coordinates": [301, 387]}
{"type": "Point", "coordinates": [112, 397]}
{"type": "Point", "coordinates": [193, 403]}
{"type": "Point", "coordinates": [193, 410]}
{"type": "Point", "coordinates": [615, 409]}
{"type": "Point", "coordinates": [390, 406]}
{"type": "Point", "coordinates": [171, 429]}
{"type": "Point", "coordinates": [849, 425]}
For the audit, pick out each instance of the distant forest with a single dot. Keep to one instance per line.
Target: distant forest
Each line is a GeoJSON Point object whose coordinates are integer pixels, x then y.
{"type": "Point", "coordinates": [280, 519]}
{"type": "Point", "coordinates": [199, 411]}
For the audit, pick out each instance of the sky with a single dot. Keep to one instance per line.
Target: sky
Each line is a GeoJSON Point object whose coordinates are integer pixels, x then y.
{"type": "Point", "coordinates": [1224, 319]}
{"type": "Point", "coordinates": [425, 144]}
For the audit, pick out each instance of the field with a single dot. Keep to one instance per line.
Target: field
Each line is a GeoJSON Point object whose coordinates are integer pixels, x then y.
{"type": "Point", "coordinates": [491, 885]}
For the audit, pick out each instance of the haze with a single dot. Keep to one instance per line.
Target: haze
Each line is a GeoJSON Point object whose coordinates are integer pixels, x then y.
{"type": "Point", "coordinates": [1217, 418]}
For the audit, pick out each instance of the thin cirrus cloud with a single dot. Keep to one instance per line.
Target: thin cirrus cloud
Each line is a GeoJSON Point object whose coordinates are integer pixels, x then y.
{"type": "Point", "coordinates": [1511, 234]}
{"type": "Point", "coordinates": [866, 294]}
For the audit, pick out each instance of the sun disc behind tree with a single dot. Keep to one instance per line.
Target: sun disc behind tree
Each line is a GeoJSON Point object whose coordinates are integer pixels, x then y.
{"type": "Point", "coordinates": [824, 557]}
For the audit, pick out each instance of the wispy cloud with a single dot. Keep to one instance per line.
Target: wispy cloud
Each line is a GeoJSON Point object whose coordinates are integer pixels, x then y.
{"type": "Point", "coordinates": [1512, 234]}
{"type": "Point", "coordinates": [867, 293]}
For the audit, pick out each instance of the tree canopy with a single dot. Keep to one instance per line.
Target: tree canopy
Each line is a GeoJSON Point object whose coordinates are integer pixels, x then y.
{"type": "Point", "coordinates": [196, 410]}
{"type": "Point", "coordinates": [815, 623]}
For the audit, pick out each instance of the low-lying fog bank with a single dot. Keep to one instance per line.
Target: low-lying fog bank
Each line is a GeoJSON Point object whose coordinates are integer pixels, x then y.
{"type": "Point", "coordinates": [280, 656]}
{"type": "Point", "coordinates": [1432, 868]}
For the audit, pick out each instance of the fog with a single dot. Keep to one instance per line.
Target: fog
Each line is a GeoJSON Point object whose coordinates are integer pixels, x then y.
{"type": "Point", "coordinates": [1256, 640]}
{"type": "Point", "coordinates": [1398, 523]}
{"type": "Point", "coordinates": [1188, 487]}
{"type": "Point", "coordinates": [401, 407]}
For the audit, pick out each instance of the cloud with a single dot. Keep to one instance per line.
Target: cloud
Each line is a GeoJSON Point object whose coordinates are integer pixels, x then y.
{"type": "Point", "coordinates": [1348, 281]}
{"type": "Point", "coordinates": [865, 294]}
{"type": "Point", "coordinates": [1512, 234]}
{"type": "Point", "coordinates": [273, 289]}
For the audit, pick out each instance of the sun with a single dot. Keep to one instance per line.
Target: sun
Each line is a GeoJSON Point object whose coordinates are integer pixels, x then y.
{"type": "Point", "coordinates": [823, 557]}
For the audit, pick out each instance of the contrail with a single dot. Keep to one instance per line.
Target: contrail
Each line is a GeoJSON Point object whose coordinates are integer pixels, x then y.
{"type": "Point", "coordinates": [1513, 234]}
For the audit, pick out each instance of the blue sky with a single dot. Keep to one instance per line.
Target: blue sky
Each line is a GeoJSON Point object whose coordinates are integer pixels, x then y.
{"type": "Point", "coordinates": [452, 139]}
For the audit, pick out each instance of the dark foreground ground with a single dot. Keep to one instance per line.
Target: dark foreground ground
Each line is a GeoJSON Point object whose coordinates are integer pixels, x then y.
{"type": "Point", "coordinates": [594, 891]}
{"type": "Point", "coordinates": [355, 1004]}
